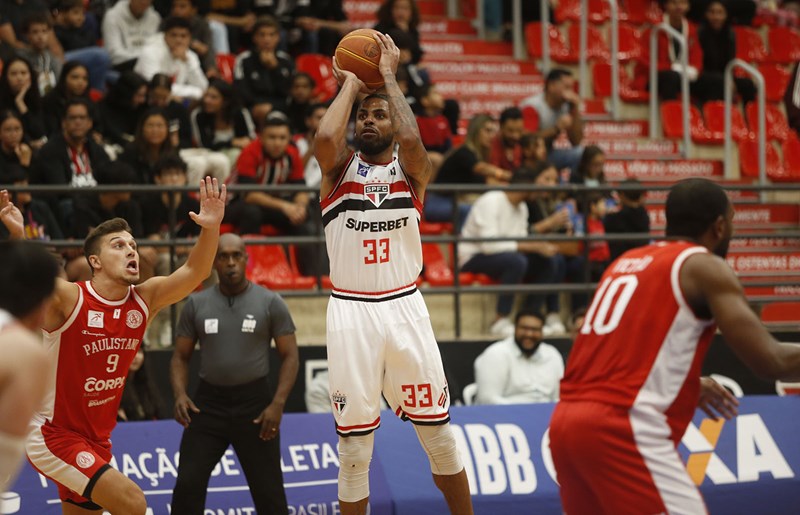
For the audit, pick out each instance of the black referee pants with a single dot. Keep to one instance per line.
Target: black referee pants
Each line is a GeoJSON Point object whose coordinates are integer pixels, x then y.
{"type": "Point", "coordinates": [226, 418]}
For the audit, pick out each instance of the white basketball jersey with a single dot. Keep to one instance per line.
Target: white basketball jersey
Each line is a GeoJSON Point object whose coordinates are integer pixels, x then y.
{"type": "Point", "coordinates": [371, 220]}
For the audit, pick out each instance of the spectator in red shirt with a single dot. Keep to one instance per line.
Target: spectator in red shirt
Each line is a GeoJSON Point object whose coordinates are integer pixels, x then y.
{"type": "Point", "coordinates": [599, 253]}
{"type": "Point", "coordinates": [506, 151]}
{"type": "Point", "coordinates": [273, 160]}
{"type": "Point", "coordinates": [434, 129]}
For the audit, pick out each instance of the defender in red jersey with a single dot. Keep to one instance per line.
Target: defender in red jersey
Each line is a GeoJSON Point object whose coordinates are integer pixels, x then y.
{"type": "Point", "coordinates": [28, 276]}
{"type": "Point", "coordinates": [633, 376]}
{"type": "Point", "coordinates": [92, 332]}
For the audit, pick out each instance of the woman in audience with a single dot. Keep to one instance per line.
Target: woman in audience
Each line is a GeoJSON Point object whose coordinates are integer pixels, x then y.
{"type": "Point", "coordinates": [467, 164]}
{"type": "Point", "coordinates": [718, 41]}
{"type": "Point", "coordinates": [120, 110]}
{"type": "Point", "coordinates": [220, 123]}
{"type": "Point", "coordinates": [151, 143]}
{"type": "Point", "coordinates": [73, 82]}
{"type": "Point", "coordinates": [19, 92]}
{"type": "Point", "coordinates": [159, 94]}
{"type": "Point", "coordinates": [590, 168]}
{"type": "Point", "coordinates": [15, 154]}
{"type": "Point", "coordinates": [403, 15]}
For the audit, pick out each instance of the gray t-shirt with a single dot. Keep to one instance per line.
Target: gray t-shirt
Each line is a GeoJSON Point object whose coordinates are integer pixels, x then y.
{"type": "Point", "coordinates": [547, 115]}
{"type": "Point", "coordinates": [235, 333]}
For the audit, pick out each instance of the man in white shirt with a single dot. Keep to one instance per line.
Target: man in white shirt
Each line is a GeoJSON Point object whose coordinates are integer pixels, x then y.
{"type": "Point", "coordinates": [520, 369]}
{"type": "Point", "coordinates": [505, 213]}
{"type": "Point", "coordinates": [172, 56]}
{"type": "Point", "coordinates": [127, 27]}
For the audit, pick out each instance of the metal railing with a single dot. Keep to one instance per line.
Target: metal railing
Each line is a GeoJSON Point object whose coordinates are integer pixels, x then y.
{"type": "Point", "coordinates": [672, 34]}
{"type": "Point", "coordinates": [584, 43]}
{"type": "Point", "coordinates": [457, 289]}
{"type": "Point", "coordinates": [544, 16]}
{"type": "Point", "coordinates": [762, 125]}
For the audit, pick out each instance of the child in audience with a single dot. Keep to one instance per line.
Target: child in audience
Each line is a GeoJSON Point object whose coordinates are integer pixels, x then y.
{"type": "Point", "coordinates": [599, 253]}
{"type": "Point", "coordinates": [46, 65]}
{"type": "Point", "coordinates": [202, 40]}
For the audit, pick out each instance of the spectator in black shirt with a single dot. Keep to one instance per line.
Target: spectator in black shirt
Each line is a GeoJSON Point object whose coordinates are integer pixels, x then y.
{"type": "Point", "coordinates": [323, 23]}
{"type": "Point", "coordinates": [78, 34]}
{"type": "Point", "coordinates": [39, 221]}
{"type": "Point", "coordinates": [632, 217]}
{"type": "Point", "coordinates": [72, 83]}
{"type": "Point", "coordinates": [19, 91]}
{"type": "Point", "coordinates": [159, 94]}
{"type": "Point", "coordinates": [262, 74]}
{"type": "Point", "coordinates": [121, 108]}
{"type": "Point", "coordinates": [403, 15]}
{"type": "Point", "coordinates": [15, 154]}
{"type": "Point", "coordinates": [151, 143]}
{"type": "Point", "coordinates": [301, 97]}
{"type": "Point", "coordinates": [220, 123]}
{"type": "Point", "coordinates": [718, 41]}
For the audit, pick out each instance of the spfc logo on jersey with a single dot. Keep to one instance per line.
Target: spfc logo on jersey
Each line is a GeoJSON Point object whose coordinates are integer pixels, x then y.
{"type": "Point", "coordinates": [339, 401]}
{"type": "Point", "coordinates": [133, 319]}
{"type": "Point", "coordinates": [363, 169]}
{"type": "Point", "coordinates": [376, 193]}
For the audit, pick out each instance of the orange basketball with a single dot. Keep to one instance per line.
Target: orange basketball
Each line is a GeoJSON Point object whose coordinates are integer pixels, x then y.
{"type": "Point", "coordinates": [359, 53]}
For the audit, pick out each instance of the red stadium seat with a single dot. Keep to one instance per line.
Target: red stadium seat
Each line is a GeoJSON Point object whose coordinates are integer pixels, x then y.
{"type": "Point", "coordinates": [781, 312]}
{"type": "Point", "coordinates": [714, 115]}
{"type": "Point", "coordinates": [784, 45]}
{"type": "Point", "coordinates": [672, 122]}
{"type": "Point", "coordinates": [776, 78]}
{"type": "Point", "coordinates": [570, 10]}
{"type": "Point", "coordinates": [559, 50]}
{"type": "Point", "coordinates": [601, 75]}
{"type": "Point", "coordinates": [636, 11]}
{"type": "Point", "coordinates": [749, 45]}
{"type": "Point", "coordinates": [326, 280]}
{"type": "Point", "coordinates": [630, 42]}
{"type": "Point", "coordinates": [225, 65]}
{"type": "Point", "coordinates": [596, 47]}
{"type": "Point", "coordinates": [269, 267]}
{"type": "Point", "coordinates": [530, 117]}
{"type": "Point", "coordinates": [748, 160]}
{"type": "Point", "coordinates": [320, 68]}
{"type": "Point", "coordinates": [777, 126]}
{"type": "Point", "coordinates": [791, 156]}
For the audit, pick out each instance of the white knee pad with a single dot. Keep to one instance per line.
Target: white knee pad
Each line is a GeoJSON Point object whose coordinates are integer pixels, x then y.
{"type": "Point", "coordinates": [355, 453]}
{"type": "Point", "coordinates": [440, 445]}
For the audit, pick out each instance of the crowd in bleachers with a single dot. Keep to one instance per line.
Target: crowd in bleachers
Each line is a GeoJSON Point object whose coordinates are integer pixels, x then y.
{"type": "Point", "coordinates": [166, 92]}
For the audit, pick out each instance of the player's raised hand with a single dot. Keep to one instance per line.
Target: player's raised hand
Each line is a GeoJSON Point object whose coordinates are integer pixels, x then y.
{"type": "Point", "coordinates": [212, 204]}
{"type": "Point", "coordinates": [11, 217]}
{"type": "Point", "coordinates": [715, 398]}
{"type": "Point", "coordinates": [390, 54]}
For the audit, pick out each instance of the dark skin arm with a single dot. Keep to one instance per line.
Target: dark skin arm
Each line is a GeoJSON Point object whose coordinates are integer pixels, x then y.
{"type": "Point", "coordinates": [712, 290]}
{"type": "Point", "coordinates": [270, 418]}
{"type": "Point", "coordinates": [412, 154]}
{"type": "Point", "coordinates": [179, 377]}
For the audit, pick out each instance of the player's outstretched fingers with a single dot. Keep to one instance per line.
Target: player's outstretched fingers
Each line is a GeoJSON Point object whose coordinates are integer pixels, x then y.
{"type": "Point", "coordinates": [203, 191]}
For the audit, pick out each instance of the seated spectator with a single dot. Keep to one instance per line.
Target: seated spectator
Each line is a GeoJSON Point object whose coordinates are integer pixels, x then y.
{"type": "Point", "coordinates": [140, 398]}
{"type": "Point", "coordinates": [534, 151]}
{"type": "Point", "coordinates": [273, 160]}
{"type": "Point", "coordinates": [159, 94]}
{"type": "Point", "coordinates": [15, 153]}
{"type": "Point", "coordinates": [237, 17]}
{"type": "Point", "coordinates": [718, 42]}
{"type": "Point", "coordinates": [261, 75]}
{"type": "Point", "coordinates": [157, 212]}
{"type": "Point", "coordinates": [670, 69]}
{"type": "Point", "coordinates": [599, 253]}
{"type": "Point", "coordinates": [468, 164]}
{"type": "Point", "coordinates": [520, 369]}
{"type": "Point", "coordinates": [505, 214]}
{"type": "Point", "coordinates": [120, 109]}
{"type": "Point", "coordinates": [202, 39]}
{"type": "Point", "coordinates": [631, 217]}
{"type": "Point", "coordinates": [323, 22]}
{"type": "Point", "coordinates": [78, 35]}
{"type": "Point", "coordinates": [403, 15]}
{"type": "Point", "coordinates": [12, 20]}
{"type": "Point", "coordinates": [91, 209]}
{"type": "Point", "coordinates": [69, 158]}
{"type": "Point", "coordinates": [19, 92]}
{"type": "Point", "coordinates": [220, 123]}
{"type": "Point", "coordinates": [301, 96]}
{"type": "Point", "coordinates": [38, 30]}
{"type": "Point", "coordinates": [589, 171]}
{"type": "Point", "coordinates": [434, 128]}
{"type": "Point", "coordinates": [40, 223]}
{"type": "Point", "coordinates": [305, 144]}
{"type": "Point", "coordinates": [72, 83]}
{"type": "Point", "coordinates": [741, 12]}
{"type": "Point", "coordinates": [149, 145]}
{"type": "Point", "coordinates": [127, 28]}
{"type": "Point", "coordinates": [172, 56]}
{"type": "Point", "coordinates": [505, 151]}
{"type": "Point", "coordinates": [558, 107]}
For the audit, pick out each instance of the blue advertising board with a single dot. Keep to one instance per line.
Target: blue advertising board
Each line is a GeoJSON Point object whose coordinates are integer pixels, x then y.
{"type": "Point", "coordinates": [743, 466]}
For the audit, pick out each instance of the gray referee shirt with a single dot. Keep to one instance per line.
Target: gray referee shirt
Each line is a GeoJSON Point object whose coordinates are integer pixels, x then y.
{"type": "Point", "coordinates": [235, 333]}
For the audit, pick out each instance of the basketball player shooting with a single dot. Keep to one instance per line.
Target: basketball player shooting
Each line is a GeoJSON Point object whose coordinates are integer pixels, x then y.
{"type": "Point", "coordinates": [92, 331]}
{"type": "Point", "coordinates": [379, 334]}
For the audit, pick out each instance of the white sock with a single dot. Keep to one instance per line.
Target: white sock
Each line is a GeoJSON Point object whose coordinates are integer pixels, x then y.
{"type": "Point", "coordinates": [12, 449]}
